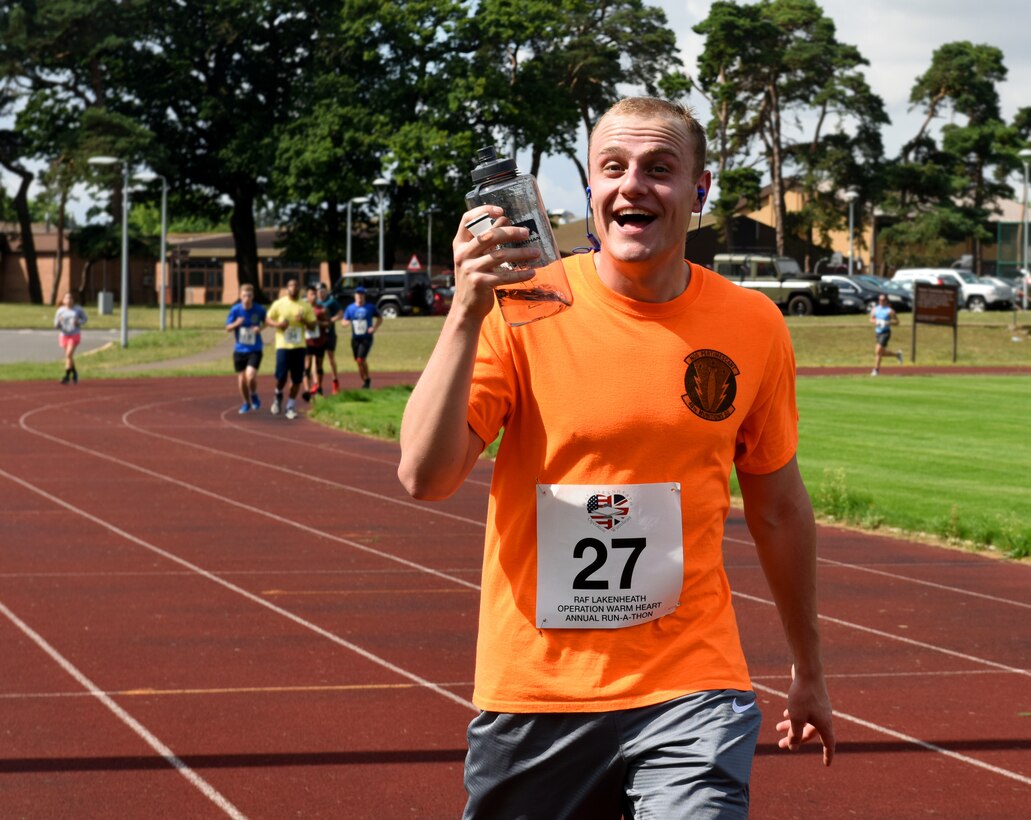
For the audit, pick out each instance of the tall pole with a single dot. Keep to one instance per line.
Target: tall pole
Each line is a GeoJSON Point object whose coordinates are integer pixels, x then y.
{"type": "Point", "coordinates": [429, 241]}
{"type": "Point", "coordinates": [164, 255]}
{"type": "Point", "coordinates": [850, 197]}
{"type": "Point", "coordinates": [125, 253]}
{"type": "Point", "coordinates": [380, 185]}
{"type": "Point", "coordinates": [1025, 155]}
{"type": "Point", "coordinates": [355, 200]}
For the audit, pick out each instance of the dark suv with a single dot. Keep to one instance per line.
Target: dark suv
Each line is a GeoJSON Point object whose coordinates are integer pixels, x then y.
{"type": "Point", "coordinates": [393, 292]}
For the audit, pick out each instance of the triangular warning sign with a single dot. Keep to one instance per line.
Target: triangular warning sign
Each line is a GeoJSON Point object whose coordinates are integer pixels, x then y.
{"type": "Point", "coordinates": [414, 264]}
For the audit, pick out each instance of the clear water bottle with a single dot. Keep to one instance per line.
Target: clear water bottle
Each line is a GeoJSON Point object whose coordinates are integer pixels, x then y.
{"type": "Point", "coordinates": [498, 182]}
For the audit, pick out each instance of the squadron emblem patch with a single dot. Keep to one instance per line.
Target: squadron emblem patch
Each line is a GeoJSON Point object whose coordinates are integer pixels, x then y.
{"type": "Point", "coordinates": [710, 383]}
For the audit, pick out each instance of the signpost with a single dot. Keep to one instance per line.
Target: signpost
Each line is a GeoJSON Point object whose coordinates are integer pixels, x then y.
{"type": "Point", "coordinates": [935, 305]}
{"type": "Point", "coordinates": [414, 265]}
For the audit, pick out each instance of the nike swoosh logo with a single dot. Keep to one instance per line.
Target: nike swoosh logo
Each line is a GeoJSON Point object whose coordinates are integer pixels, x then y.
{"type": "Point", "coordinates": [739, 708]}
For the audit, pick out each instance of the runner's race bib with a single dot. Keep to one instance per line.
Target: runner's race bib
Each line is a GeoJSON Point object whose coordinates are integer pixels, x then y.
{"type": "Point", "coordinates": [247, 335]}
{"type": "Point", "coordinates": [607, 556]}
{"type": "Point", "coordinates": [293, 336]}
{"type": "Point", "coordinates": [69, 325]}
{"type": "Point", "coordinates": [313, 333]}
{"type": "Point", "coordinates": [360, 326]}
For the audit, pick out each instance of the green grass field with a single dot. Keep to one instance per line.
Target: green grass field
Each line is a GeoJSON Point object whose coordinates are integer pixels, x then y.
{"type": "Point", "coordinates": [944, 456]}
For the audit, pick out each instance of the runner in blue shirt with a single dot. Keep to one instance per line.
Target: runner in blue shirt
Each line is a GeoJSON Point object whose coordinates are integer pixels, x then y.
{"type": "Point", "coordinates": [246, 320]}
{"type": "Point", "coordinates": [883, 318]}
{"type": "Point", "coordinates": [364, 320]}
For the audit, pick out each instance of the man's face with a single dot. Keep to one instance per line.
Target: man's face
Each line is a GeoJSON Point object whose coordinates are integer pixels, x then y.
{"type": "Point", "coordinates": [643, 187]}
{"type": "Point", "coordinates": [359, 298]}
{"type": "Point", "coordinates": [310, 295]}
{"type": "Point", "coordinates": [323, 294]}
{"type": "Point", "coordinates": [292, 288]}
{"type": "Point", "coordinates": [246, 298]}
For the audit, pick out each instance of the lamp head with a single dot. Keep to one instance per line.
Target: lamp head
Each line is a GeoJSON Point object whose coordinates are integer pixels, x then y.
{"type": "Point", "coordinates": [103, 160]}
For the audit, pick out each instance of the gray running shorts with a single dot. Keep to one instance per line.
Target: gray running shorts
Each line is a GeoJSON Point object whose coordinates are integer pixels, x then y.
{"type": "Point", "coordinates": [687, 758]}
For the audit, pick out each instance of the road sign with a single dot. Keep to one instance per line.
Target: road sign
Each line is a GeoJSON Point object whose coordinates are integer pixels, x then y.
{"type": "Point", "coordinates": [414, 265]}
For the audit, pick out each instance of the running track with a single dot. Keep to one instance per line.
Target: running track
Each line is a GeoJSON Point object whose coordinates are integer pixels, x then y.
{"type": "Point", "coordinates": [204, 615]}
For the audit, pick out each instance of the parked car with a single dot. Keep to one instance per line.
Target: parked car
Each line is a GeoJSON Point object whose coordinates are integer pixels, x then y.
{"type": "Point", "coordinates": [899, 298]}
{"type": "Point", "coordinates": [394, 292]}
{"type": "Point", "coordinates": [442, 300]}
{"type": "Point", "coordinates": [974, 295]}
{"type": "Point", "coordinates": [866, 289]}
{"type": "Point", "coordinates": [1016, 279]}
{"type": "Point", "coordinates": [780, 278]}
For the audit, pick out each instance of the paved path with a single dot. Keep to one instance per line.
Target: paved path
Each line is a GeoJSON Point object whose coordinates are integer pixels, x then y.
{"type": "Point", "coordinates": [18, 346]}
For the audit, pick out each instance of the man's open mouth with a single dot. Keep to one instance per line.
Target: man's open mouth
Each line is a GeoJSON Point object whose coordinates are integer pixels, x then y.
{"type": "Point", "coordinates": [633, 216]}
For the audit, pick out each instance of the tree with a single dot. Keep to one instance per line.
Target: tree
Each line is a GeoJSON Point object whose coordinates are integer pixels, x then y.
{"type": "Point", "coordinates": [947, 192]}
{"type": "Point", "coordinates": [764, 62]}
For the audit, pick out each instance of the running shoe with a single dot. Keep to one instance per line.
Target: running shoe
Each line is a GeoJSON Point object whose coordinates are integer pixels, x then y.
{"type": "Point", "coordinates": [291, 413]}
{"type": "Point", "coordinates": [898, 356]}
{"type": "Point", "coordinates": [367, 384]}
{"type": "Point", "coordinates": [336, 387]}
{"type": "Point", "coordinates": [245, 408]}
{"type": "Point", "coordinates": [255, 402]}
{"type": "Point", "coordinates": [306, 396]}
{"type": "Point", "coordinates": [874, 372]}
{"type": "Point", "coordinates": [275, 407]}
{"type": "Point", "coordinates": [67, 378]}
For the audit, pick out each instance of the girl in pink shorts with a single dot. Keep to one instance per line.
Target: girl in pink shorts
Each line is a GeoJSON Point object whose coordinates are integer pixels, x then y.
{"type": "Point", "coordinates": [68, 320]}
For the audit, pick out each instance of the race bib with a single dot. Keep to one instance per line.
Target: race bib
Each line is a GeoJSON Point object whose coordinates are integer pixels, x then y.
{"type": "Point", "coordinates": [293, 336]}
{"type": "Point", "coordinates": [314, 333]}
{"type": "Point", "coordinates": [69, 325]}
{"type": "Point", "coordinates": [247, 335]}
{"type": "Point", "coordinates": [607, 556]}
{"type": "Point", "coordinates": [360, 326]}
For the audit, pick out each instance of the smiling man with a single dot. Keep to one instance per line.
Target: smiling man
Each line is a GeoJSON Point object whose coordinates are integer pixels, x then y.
{"type": "Point", "coordinates": [609, 667]}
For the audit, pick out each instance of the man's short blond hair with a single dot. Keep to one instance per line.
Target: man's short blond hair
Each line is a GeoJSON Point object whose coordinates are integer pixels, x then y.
{"type": "Point", "coordinates": [666, 109]}
{"type": "Point", "coordinates": [247, 287]}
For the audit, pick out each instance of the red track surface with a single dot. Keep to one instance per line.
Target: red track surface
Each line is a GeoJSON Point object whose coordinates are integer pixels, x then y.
{"type": "Point", "coordinates": [205, 614]}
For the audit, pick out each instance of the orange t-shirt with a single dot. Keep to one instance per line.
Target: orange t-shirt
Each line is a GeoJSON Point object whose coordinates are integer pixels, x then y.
{"type": "Point", "coordinates": [614, 390]}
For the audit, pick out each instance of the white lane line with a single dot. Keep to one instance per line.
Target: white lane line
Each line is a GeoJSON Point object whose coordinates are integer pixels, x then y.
{"type": "Point", "coordinates": [880, 634]}
{"type": "Point", "coordinates": [923, 744]}
{"type": "Point", "coordinates": [138, 728]}
{"type": "Point", "coordinates": [228, 414]}
{"type": "Point", "coordinates": [906, 578]}
{"type": "Point", "coordinates": [252, 510]}
{"type": "Point", "coordinates": [872, 726]}
{"type": "Point", "coordinates": [318, 630]}
{"type": "Point", "coordinates": [422, 508]}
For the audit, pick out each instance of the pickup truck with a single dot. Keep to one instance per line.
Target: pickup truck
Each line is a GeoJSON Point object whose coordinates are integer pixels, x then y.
{"type": "Point", "coordinates": [779, 277]}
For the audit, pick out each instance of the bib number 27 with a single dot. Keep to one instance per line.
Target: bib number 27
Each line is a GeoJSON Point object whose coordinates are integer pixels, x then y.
{"type": "Point", "coordinates": [597, 553]}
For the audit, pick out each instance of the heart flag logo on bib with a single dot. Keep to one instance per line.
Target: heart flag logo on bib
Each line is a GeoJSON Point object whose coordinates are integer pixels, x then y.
{"type": "Point", "coordinates": [607, 512]}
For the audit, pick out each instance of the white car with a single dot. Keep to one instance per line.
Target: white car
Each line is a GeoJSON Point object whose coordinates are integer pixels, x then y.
{"type": "Point", "coordinates": [975, 295]}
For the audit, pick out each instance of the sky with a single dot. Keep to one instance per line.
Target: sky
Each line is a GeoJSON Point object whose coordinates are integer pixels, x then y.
{"type": "Point", "coordinates": [897, 37]}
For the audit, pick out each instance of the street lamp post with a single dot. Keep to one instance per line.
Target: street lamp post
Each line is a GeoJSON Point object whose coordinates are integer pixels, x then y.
{"type": "Point", "coordinates": [125, 239]}
{"type": "Point", "coordinates": [150, 176]}
{"type": "Point", "coordinates": [850, 198]}
{"type": "Point", "coordinates": [357, 200]}
{"type": "Point", "coordinates": [380, 185]}
{"type": "Point", "coordinates": [429, 239]}
{"type": "Point", "coordinates": [1025, 157]}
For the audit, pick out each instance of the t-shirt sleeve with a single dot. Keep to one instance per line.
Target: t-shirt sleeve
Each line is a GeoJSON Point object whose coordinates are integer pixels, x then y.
{"type": "Point", "coordinates": [768, 437]}
{"type": "Point", "coordinates": [493, 389]}
{"type": "Point", "coordinates": [232, 315]}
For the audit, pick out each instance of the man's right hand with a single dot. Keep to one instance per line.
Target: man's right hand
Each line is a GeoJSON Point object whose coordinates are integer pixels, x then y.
{"type": "Point", "coordinates": [478, 260]}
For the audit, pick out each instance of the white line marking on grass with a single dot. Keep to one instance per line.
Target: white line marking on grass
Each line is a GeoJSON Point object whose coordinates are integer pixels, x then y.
{"type": "Point", "coordinates": [138, 728]}
{"type": "Point", "coordinates": [923, 744]}
{"type": "Point", "coordinates": [318, 630]}
{"type": "Point", "coordinates": [906, 578]}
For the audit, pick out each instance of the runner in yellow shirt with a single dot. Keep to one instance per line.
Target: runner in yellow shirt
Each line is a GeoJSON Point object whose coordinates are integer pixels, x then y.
{"type": "Point", "coordinates": [291, 317]}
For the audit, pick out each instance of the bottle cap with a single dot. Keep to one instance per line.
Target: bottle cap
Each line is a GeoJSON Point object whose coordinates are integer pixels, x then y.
{"type": "Point", "coordinates": [491, 166]}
